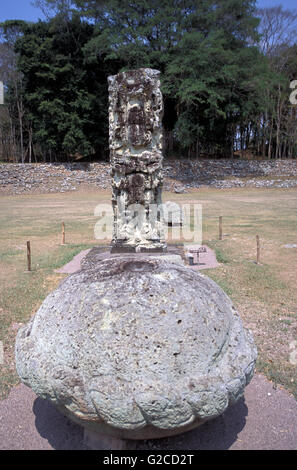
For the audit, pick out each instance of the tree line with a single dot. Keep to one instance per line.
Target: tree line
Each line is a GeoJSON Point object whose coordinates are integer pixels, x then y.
{"type": "Point", "coordinates": [226, 71]}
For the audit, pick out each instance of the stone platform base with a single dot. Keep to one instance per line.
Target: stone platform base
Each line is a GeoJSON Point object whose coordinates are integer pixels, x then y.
{"type": "Point", "coordinates": [96, 441]}
{"type": "Point", "coordinates": [174, 253]}
{"type": "Point", "coordinates": [137, 249]}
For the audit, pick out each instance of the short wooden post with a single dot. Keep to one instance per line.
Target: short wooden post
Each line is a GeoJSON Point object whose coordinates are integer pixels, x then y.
{"type": "Point", "coordinates": [258, 249]}
{"type": "Point", "coordinates": [29, 256]}
{"type": "Point", "coordinates": [63, 233]}
{"type": "Point", "coordinates": [220, 228]}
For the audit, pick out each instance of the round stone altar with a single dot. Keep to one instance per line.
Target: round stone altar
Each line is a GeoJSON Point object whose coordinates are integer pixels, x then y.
{"type": "Point", "coordinates": [137, 347]}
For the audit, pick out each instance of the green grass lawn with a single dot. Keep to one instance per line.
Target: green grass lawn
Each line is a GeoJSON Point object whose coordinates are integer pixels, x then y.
{"type": "Point", "coordinates": [265, 295]}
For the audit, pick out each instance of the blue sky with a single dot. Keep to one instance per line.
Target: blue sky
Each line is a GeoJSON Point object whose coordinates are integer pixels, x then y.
{"type": "Point", "coordinates": [19, 10]}
{"type": "Point", "coordinates": [23, 10]}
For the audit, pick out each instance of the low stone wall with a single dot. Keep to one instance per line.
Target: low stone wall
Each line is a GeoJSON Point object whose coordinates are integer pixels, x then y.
{"type": "Point", "coordinates": [179, 175]}
{"type": "Point", "coordinates": [52, 177]}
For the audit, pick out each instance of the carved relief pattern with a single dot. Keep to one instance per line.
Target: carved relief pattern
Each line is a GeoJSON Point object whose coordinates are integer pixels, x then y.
{"type": "Point", "coordinates": [135, 141]}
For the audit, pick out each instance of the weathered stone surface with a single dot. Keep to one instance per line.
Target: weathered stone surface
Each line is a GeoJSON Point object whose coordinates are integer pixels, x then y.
{"type": "Point", "coordinates": [135, 141]}
{"type": "Point", "coordinates": [137, 348]}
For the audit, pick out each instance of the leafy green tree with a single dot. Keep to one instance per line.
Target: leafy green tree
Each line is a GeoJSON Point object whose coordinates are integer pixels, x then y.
{"type": "Point", "coordinates": [204, 51]}
{"type": "Point", "coordinates": [65, 97]}
{"type": "Point", "coordinates": [214, 75]}
{"type": "Point", "coordinates": [225, 85]}
{"type": "Point", "coordinates": [52, 8]}
{"type": "Point", "coordinates": [278, 45]}
{"type": "Point", "coordinates": [10, 31]}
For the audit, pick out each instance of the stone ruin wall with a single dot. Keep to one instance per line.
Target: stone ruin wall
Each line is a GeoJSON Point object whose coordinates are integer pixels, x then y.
{"type": "Point", "coordinates": [18, 178]}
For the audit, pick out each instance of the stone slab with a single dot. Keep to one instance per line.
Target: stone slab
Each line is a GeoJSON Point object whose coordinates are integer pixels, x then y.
{"type": "Point", "coordinates": [207, 260]}
{"type": "Point", "coordinates": [74, 264]}
{"type": "Point", "coordinates": [174, 253]}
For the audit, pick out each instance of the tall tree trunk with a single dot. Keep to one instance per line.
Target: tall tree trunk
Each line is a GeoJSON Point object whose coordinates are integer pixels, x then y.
{"type": "Point", "coordinates": [197, 148]}
{"type": "Point", "coordinates": [264, 123]}
{"type": "Point", "coordinates": [284, 149]}
{"type": "Point", "coordinates": [241, 140]}
{"type": "Point", "coordinates": [278, 124]}
{"type": "Point", "coordinates": [270, 140]}
{"type": "Point", "coordinates": [12, 142]}
{"type": "Point", "coordinates": [21, 113]}
{"type": "Point", "coordinates": [30, 144]}
{"type": "Point", "coordinates": [258, 136]}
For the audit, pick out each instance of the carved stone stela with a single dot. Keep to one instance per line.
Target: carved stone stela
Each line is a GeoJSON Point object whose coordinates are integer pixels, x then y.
{"type": "Point", "coordinates": [135, 142]}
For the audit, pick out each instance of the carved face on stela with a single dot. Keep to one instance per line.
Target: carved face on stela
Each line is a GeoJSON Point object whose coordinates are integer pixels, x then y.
{"type": "Point", "coordinates": [136, 110]}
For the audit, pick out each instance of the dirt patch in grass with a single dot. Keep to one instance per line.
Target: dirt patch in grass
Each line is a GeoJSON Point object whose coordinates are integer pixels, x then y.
{"type": "Point", "coordinates": [265, 295]}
